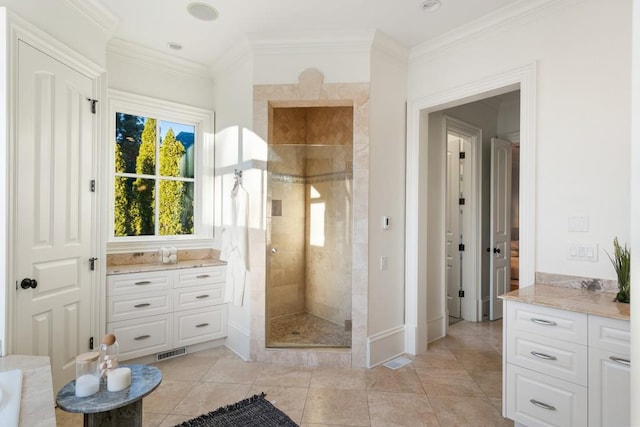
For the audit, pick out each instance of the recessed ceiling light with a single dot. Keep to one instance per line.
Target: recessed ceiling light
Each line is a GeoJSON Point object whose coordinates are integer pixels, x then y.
{"type": "Point", "coordinates": [174, 46]}
{"type": "Point", "coordinates": [430, 5]}
{"type": "Point", "coordinates": [202, 11]}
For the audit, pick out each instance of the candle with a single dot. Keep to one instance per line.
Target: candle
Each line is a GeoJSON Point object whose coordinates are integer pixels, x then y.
{"type": "Point", "coordinates": [86, 385]}
{"type": "Point", "coordinates": [118, 379]}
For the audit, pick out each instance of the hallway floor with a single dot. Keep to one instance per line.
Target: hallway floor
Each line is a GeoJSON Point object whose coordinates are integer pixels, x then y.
{"type": "Point", "coordinates": [457, 382]}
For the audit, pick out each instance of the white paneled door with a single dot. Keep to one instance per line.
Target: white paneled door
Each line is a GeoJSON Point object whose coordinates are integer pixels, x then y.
{"type": "Point", "coordinates": [54, 214]}
{"type": "Point", "coordinates": [452, 224]}
{"type": "Point", "coordinates": [500, 267]}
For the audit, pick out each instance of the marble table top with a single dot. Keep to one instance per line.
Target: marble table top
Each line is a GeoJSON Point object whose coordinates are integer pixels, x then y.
{"type": "Point", "coordinates": [144, 379]}
{"type": "Point", "coordinates": [566, 298]}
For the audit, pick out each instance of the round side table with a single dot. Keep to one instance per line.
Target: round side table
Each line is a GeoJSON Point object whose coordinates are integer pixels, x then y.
{"type": "Point", "coordinates": [113, 408]}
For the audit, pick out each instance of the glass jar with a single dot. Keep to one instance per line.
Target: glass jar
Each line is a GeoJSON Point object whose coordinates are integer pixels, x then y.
{"type": "Point", "coordinates": [109, 355]}
{"type": "Point", "coordinates": [87, 374]}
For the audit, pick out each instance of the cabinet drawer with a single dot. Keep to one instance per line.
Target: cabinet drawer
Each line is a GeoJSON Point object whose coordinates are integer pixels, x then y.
{"type": "Point", "coordinates": [200, 325]}
{"type": "Point", "coordinates": [200, 276]}
{"type": "Point", "coordinates": [198, 296]}
{"type": "Point", "coordinates": [123, 307]}
{"type": "Point", "coordinates": [124, 284]}
{"type": "Point", "coordinates": [561, 359]}
{"type": "Point", "coordinates": [548, 322]}
{"type": "Point", "coordinates": [541, 400]}
{"type": "Point", "coordinates": [139, 337]}
{"type": "Point", "coordinates": [610, 334]}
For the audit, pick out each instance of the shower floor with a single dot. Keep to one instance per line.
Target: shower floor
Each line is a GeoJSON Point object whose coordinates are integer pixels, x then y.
{"type": "Point", "coordinates": [307, 330]}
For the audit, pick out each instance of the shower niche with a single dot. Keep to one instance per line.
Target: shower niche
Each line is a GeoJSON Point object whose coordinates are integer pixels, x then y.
{"type": "Point", "coordinates": [309, 226]}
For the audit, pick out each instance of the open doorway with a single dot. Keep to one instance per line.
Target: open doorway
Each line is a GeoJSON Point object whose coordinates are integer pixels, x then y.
{"type": "Point", "coordinates": [481, 214]}
{"type": "Point", "coordinates": [426, 308]}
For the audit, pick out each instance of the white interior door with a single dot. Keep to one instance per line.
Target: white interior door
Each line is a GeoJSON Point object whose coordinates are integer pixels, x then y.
{"type": "Point", "coordinates": [54, 218]}
{"type": "Point", "coordinates": [500, 273]}
{"type": "Point", "coordinates": [452, 224]}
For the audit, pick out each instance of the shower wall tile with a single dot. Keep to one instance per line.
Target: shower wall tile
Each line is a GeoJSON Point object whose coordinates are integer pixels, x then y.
{"type": "Point", "coordinates": [330, 125]}
{"type": "Point", "coordinates": [329, 359]}
{"type": "Point", "coordinates": [289, 126]}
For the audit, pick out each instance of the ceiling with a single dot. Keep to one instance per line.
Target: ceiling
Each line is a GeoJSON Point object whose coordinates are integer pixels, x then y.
{"type": "Point", "coordinates": [154, 24]}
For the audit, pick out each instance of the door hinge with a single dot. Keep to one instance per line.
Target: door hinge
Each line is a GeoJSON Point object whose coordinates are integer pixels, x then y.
{"type": "Point", "coordinates": [461, 293]}
{"type": "Point", "coordinates": [461, 247]}
{"type": "Point", "coordinates": [93, 104]}
{"type": "Point", "coordinates": [91, 343]}
{"type": "Point", "coordinates": [462, 155]}
{"type": "Point", "coordinates": [92, 263]}
{"type": "Point", "coordinates": [461, 201]}
{"type": "Point", "coordinates": [92, 186]}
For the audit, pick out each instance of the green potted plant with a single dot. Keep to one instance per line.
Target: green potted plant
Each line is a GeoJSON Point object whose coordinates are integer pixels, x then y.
{"type": "Point", "coordinates": [621, 261]}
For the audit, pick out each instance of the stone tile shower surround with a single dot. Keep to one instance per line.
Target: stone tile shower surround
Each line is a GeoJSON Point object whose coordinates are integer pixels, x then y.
{"type": "Point", "coordinates": [313, 93]}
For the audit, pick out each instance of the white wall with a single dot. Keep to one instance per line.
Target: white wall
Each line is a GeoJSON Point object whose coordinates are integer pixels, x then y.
{"type": "Point", "coordinates": [582, 123]}
{"type": "Point", "coordinates": [233, 103]}
{"type": "Point", "coordinates": [635, 212]}
{"type": "Point", "coordinates": [341, 58]}
{"type": "Point", "coordinates": [388, 88]}
{"type": "Point", "coordinates": [157, 81]}
{"type": "Point", "coordinates": [4, 288]}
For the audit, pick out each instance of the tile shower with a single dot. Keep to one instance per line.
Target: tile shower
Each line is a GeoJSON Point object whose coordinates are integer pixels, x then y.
{"type": "Point", "coordinates": [308, 289]}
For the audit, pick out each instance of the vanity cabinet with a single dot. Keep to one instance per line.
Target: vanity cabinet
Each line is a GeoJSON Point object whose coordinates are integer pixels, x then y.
{"type": "Point", "coordinates": [158, 311]}
{"type": "Point", "coordinates": [565, 368]}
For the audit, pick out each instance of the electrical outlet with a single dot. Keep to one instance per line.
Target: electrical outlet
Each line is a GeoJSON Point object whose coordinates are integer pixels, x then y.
{"type": "Point", "coordinates": [383, 262]}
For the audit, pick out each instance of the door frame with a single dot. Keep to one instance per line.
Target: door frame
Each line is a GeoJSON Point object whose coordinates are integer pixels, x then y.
{"type": "Point", "coordinates": [19, 29]}
{"type": "Point", "coordinates": [522, 78]}
{"type": "Point", "coordinates": [471, 307]}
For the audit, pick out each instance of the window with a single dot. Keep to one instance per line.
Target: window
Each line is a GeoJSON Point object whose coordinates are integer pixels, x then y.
{"type": "Point", "coordinates": [159, 186]}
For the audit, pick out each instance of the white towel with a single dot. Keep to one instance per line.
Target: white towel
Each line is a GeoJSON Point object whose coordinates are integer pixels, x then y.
{"type": "Point", "coordinates": [235, 247]}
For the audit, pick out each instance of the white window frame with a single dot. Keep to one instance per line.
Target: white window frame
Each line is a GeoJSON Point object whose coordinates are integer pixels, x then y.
{"type": "Point", "coordinates": [202, 120]}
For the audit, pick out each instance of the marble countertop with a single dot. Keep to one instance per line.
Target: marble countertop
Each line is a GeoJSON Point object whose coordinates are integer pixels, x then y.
{"type": "Point", "coordinates": [142, 268]}
{"type": "Point", "coordinates": [37, 407]}
{"type": "Point", "coordinates": [571, 299]}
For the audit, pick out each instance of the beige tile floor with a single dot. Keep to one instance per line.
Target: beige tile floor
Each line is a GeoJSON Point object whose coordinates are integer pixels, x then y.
{"type": "Point", "coordinates": [457, 382]}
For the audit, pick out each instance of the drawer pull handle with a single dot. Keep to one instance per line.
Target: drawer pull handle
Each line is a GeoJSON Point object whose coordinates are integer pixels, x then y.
{"type": "Point", "coordinates": [543, 322]}
{"type": "Point", "coordinates": [144, 304]}
{"type": "Point", "coordinates": [143, 282]}
{"type": "Point", "coordinates": [543, 356]}
{"type": "Point", "coordinates": [202, 276]}
{"type": "Point", "coordinates": [543, 405]}
{"type": "Point", "coordinates": [142, 337]}
{"type": "Point", "coordinates": [620, 360]}
{"type": "Point", "coordinates": [202, 325]}
{"type": "Point", "coordinates": [202, 296]}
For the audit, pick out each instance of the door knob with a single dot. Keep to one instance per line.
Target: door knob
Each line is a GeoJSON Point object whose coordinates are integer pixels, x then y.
{"type": "Point", "coordinates": [274, 250]}
{"type": "Point", "coordinates": [28, 283]}
{"type": "Point", "coordinates": [496, 250]}
{"type": "Point", "coordinates": [488, 250]}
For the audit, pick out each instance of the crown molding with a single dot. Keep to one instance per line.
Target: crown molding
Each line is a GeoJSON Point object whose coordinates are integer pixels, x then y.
{"type": "Point", "coordinates": [145, 56]}
{"type": "Point", "coordinates": [235, 55]}
{"type": "Point", "coordinates": [390, 46]}
{"type": "Point", "coordinates": [312, 42]}
{"type": "Point", "coordinates": [503, 16]}
{"type": "Point", "coordinates": [102, 17]}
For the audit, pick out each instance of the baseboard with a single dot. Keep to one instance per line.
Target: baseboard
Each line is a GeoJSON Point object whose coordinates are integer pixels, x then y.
{"type": "Point", "coordinates": [437, 327]}
{"type": "Point", "coordinates": [385, 346]}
